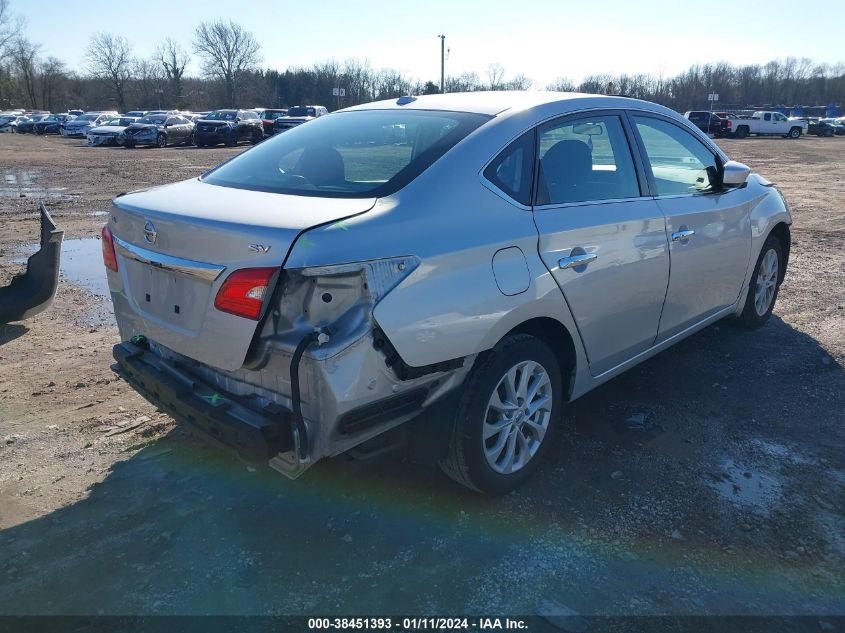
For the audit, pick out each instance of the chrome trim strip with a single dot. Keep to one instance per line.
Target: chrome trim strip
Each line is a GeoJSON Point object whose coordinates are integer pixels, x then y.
{"type": "Point", "coordinates": [187, 267]}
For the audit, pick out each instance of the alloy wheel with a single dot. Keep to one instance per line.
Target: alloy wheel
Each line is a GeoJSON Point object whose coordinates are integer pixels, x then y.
{"type": "Point", "coordinates": [767, 279]}
{"type": "Point", "coordinates": [517, 417]}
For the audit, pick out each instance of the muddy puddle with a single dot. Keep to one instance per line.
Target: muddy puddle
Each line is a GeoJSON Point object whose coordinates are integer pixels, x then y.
{"type": "Point", "coordinates": [24, 184]}
{"type": "Point", "coordinates": [748, 487]}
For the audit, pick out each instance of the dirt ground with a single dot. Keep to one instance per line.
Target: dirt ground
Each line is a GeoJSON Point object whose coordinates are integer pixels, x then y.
{"type": "Point", "coordinates": [708, 480]}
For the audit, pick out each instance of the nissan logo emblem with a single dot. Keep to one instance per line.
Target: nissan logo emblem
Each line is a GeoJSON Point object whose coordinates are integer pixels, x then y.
{"type": "Point", "coordinates": [150, 233]}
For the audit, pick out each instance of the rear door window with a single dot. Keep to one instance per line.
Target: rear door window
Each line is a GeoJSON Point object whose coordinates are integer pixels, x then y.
{"type": "Point", "coordinates": [583, 160]}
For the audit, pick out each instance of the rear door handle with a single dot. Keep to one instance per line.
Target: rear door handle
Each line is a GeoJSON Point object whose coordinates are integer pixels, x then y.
{"type": "Point", "coordinates": [573, 261]}
{"type": "Point", "coordinates": [680, 236]}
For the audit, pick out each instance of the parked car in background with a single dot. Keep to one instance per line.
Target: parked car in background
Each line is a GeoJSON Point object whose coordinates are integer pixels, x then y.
{"type": "Point", "coordinates": [228, 127]}
{"type": "Point", "coordinates": [816, 127]}
{"type": "Point", "coordinates": [27, 125]}
{"type": "Point", "coordinates": [837, 124]}
{"type": "Point", "coordinates": [81, 125]}
{"type": "Point", "coordinates": [136, 113]}
{"type": "Point", "coordinates": [764, 123]}
{"type": "Point", "coordinates": [109, 131]}
{"type": "Point", "coordinates": [521, 250]}
{"type": "Point", "coordinates": [297, 115]}
{"type": "Point", "coordinates": [268, 119]}
{"type": "Point", "coordinates": [709, 123]}
{"type": "Point", "coordinates": [159, 130]}
{"type": "Point", "coordinates": [52, 123]}
{"type": "Point", "coordinates": [9, 123]}
{"type": "Point", "coordinates": [77, 112]}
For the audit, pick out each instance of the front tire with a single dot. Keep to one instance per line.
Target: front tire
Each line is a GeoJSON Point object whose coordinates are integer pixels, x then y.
{"type": "Point", "coordinates": [764, 286]}
{"type": "Point", "coordinates": [507, 416]}
{"type": "Point", "coordinates": [161, 141]}
{"type": "Point", "coordinates": [795, 132]}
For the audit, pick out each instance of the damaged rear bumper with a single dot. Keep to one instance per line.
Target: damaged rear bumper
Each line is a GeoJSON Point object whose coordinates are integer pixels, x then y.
{"type": "Point", "coordinates": [255, 436]}
{"type": "Point", "coordinates": [33, 291]}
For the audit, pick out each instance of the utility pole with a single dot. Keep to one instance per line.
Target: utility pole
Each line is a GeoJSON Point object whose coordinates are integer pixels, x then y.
{"type": "Point", "coordinates": [442, 63]}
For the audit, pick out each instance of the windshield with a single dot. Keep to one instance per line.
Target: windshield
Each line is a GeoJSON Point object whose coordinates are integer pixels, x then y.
{"type": "Point", "coordinates": [87, 117]}
{"type": "Point", "coordinates": [153, 120]}
{"type": "Point", "coordinates": [222, 115]}
{"type": "Point", "coordinates": [301, 111]}
{"type": "Point", "coordinates": [368, 153]}
{"type": "Point", "coordinates": [52, 118]}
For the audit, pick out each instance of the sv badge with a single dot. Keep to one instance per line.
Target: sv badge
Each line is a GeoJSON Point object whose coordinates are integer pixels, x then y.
{"type": "Point", "coordinates": [259, 248]}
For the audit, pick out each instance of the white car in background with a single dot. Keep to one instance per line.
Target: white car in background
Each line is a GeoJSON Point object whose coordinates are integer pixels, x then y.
{"type": "Point", "coordinates": [109, 132]}
{"type": "Point", "coordinates": [81, 125]}
{"type": "Point", "coordinates": [765, 123]}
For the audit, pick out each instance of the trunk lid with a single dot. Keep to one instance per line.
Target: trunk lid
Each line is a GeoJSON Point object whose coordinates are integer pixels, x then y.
{"type": "Point", "coordinates": [176, 245]}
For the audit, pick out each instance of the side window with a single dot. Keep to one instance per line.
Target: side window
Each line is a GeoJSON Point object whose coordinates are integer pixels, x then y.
{"type": "Point", "coordinates": [679, 162]}
{"type": "Point", "coordinates": [585, 160]}
{"type": "Point", "coordinates": [172, 121]}
{"type": "Point", "coordinates": [512, 170]}
{"type": "Point", "coordinates": [767, 117]}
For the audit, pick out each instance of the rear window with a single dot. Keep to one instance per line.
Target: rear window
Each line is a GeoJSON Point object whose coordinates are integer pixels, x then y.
{"type": "Point", "coordinates": [359, 154]}
{"type": "Point", "coordinates": [301, 111]}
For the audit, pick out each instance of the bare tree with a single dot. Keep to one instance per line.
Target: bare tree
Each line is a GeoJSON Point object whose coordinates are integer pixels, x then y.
{"type": "Point", "coordinates": [495, 74]}
{"type": "Point", "coordinates": [519, 82]}
{"type": "Point", "coordinates": [10, 26]}
{"type": "Point", "coordinates": [228, 51]}
{"type": "Point", "coordinates": [24, 58]}
{"type": "Point", "coordinates": [562, 84]}
{"type": "Point", "coordinates": [51, 72]}
{"type": "Point", "coordinates": [110, 59]}
{"type": "Point", "coordinates": [173, 59]}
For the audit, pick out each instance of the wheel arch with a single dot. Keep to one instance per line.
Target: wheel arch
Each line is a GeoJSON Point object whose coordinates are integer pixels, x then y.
{"type": "Point", "coordinates": [782, 232]}
{"type": "Point", "coordinates": [554, 334]}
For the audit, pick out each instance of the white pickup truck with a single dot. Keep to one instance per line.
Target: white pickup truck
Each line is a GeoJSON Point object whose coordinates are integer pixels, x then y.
{"type": "Point", "coordinates": [768, 124]}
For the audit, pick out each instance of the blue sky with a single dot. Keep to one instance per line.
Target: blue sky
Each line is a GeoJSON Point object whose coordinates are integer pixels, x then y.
{"type": "Point", "coordinates": [543, 39]}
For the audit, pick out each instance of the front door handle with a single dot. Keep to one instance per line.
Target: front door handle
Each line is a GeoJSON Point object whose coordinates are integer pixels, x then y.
{"type": "Point", "coordinates": [573, 261]}
{"type": "Point", "coordinates": [680, 236]}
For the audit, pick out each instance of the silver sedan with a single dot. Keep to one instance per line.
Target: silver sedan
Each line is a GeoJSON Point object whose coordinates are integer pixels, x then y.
{"type": "Point", "coordinates": [471, 262]}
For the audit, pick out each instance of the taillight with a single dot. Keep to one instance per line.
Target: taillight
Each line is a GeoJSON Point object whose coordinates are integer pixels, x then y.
{"type": "Point", "coordinates": [109, 256]}
{"type": "Point", "coordinates": [730, 125]}
{"type": "Point", "coordinates": [243, 292]}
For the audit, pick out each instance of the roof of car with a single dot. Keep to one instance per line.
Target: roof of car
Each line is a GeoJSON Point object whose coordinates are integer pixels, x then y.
{"type": "Point", "coordinates": [495, 102]}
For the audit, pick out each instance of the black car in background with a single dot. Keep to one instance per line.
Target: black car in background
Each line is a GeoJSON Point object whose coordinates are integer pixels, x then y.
{"type": "Point", "coordinates": [228, 127]}
{"type": "Point", "coordinates": [814, 126]}
{"type": "Point", "coordinates": [52, 124]}
{"type": "Point", "coordinates": [709, 123]}
{"type": "Point", "coordinates": [28, 126]}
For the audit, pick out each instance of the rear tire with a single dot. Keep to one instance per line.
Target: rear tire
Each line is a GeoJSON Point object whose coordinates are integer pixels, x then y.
{"type": "Point", "coordinates": [507, 416]}
{"type": "Point", "coordinates": [764, 285]}
{"type": "Point", "coordinates": [742, 131]}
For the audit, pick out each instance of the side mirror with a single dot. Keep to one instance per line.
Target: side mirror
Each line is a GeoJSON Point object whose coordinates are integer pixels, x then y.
{"type": "Point", "coordinates": [734, 174]}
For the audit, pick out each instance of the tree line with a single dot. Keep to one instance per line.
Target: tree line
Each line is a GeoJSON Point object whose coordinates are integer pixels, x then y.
{"type": "Point", "coordinates": [231, 76]}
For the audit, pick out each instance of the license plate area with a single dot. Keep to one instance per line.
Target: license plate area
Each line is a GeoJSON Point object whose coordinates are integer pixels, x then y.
{"type": "Point", "coordinates": [170, 298]}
